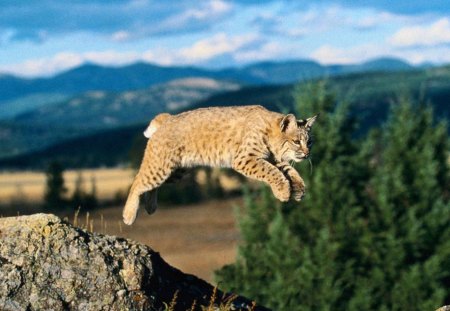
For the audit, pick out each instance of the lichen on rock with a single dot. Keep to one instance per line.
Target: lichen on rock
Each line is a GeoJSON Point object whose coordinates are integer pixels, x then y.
{"type": "Point", "coordinates": [47, 264]}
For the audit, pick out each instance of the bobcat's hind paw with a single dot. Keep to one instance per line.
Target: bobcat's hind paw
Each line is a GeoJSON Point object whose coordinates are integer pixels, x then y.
{"type": "Point", "coordinates": [129, 217]}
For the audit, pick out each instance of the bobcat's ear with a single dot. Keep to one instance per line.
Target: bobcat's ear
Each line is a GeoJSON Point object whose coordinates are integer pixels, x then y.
{"type": "Point", "coordinates": [288, 122]}
{"type": "Point", "coordinates": [308, 123]}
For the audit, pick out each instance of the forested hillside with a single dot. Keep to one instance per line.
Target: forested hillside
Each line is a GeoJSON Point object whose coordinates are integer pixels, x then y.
{"type": "Point", "coordinates": [372, 233]}
{"type": "Point", "coordinates": [368, 95]}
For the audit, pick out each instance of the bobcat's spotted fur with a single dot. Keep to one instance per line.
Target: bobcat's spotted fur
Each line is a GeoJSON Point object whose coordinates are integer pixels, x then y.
{"type": "Point", "coordinates": [252, 140]}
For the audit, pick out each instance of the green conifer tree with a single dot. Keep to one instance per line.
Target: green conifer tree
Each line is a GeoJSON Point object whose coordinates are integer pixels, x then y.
{"type": "Point", "coordinates": [290, 256]}
{"type": "Point", "coordinates": [409, 216]}
{"type": "Point", "coordinates": [82, 199]}
{"type": "Point", "coordinates": [55, 188]}
{"type": "Point", "coordinates": [373, 232]}
{"type": "Point", "coordinates": [90, 200]}
{"type": "Point", "coordinates": [78, 193]}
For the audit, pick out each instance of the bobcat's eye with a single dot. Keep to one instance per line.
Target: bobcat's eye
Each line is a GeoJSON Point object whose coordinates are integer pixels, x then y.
{"type": "Point", "coordinates": [297, 142]}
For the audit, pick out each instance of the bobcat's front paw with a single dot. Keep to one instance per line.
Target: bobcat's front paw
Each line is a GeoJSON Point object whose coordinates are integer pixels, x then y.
{"type": "Point", "coordinates": [282, 191]}
{"type": "Point", "coordinates": [297, 185]}
{"type": "Point", "coordinates": [298, 190]}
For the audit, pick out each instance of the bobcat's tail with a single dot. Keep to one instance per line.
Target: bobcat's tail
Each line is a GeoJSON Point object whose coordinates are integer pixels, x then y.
{"type": "Point", "coordinates": [155, 124]}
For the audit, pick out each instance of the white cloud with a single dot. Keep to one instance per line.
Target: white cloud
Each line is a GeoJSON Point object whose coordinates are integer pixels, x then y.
{"type": "Point", "coordinates": [111, 57]}
{"type": "Point", "coordinates": [217, 45]}
{"type": "Point", "coordinates": [435, 34]}
{"type": "Point", "coordinates": [376, 18]}
{"type": "Point", "coordinates": [44, 66]}
{"type": "Point", "coordinates": [319, 19]}
{"type": "Point", "coordinates": [120, 36]}
{"type": "Point", "coordinates": [213, 8]}
{"type": "Point", "coordinates": [210, 11]}
{"type": "Point", "coordinates": [65, 60]}
{"type": "Point", "coordinates": [161, 56]}
{"type": "Point", "coordinates": [434, 54]}
{"type": "Point", "coordinates": [328, 54]}
{"type": "Point", "coordinates": [322, 19]}
{"type": "Point", "coordinates": [45, 20]}
{"type": "Point", "coordinates": [268, 51]}
{"type": "Point", "coordinates": [200, 51]}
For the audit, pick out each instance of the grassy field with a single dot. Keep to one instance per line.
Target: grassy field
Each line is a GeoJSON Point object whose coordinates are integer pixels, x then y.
{"type": "Point", "coordinates": [29, 186]}
{"type": "Point", "coordinates": [197, 239]}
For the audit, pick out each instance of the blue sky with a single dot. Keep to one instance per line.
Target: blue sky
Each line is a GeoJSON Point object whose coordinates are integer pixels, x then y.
{"type": "Point", "coordinates": [41, 38]}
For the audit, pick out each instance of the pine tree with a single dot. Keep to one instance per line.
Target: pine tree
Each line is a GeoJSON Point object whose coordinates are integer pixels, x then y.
{"type": "Point", "coordinates": [373, 232]}
{"type": "Point", "coordinates": [90, 200]}
{"type": "Point", "coordinates": [55, 188]}
{"type": "Point", "coordinates": [82, 199]}
{"type": "Point", "coordinates": [409, 217]}
{"type": "Point", "coordinates": [78, 193]}
{"type": "Point", "coordinates": [290, 255]}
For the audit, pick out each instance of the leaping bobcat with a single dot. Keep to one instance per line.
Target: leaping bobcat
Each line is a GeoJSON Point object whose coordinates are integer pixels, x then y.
{"type": "Point", "coordinates": [252, 140]}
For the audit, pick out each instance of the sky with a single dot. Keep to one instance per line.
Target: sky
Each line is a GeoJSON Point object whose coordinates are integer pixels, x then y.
{"type": "Point", "coordinates": [45, 37]}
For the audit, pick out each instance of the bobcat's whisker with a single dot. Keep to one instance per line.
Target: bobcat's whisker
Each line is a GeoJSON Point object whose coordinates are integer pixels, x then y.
{"type": "Point", "coordinates": [310, 166]}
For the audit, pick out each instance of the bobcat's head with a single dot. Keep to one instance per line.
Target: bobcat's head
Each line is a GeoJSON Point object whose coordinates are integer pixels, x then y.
{"type": "Point", "coordinates": [294, 142]}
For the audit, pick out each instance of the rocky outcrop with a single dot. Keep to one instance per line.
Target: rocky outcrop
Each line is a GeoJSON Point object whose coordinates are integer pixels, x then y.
{"type": "Point", "coordinates": [47, 264]}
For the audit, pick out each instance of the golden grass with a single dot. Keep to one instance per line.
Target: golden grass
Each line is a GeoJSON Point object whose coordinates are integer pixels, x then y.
{"type": "Point", "coordinates": [226, 305]}
{"type": "Point", "coordinates": [30, 186]}
{"type": "Point", "coordinates": [197, 239]}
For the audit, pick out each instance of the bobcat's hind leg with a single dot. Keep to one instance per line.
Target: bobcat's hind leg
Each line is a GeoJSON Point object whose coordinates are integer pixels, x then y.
{"type": "Point", "coordinates": [151, 201]}
{"type": "Point", "coordinates": [297, 183]}
{"type": "Point", "coordinates": [142, 183]}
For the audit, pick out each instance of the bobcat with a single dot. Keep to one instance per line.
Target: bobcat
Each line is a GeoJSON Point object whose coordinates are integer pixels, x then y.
{"type": "Point", "coordinates": [252, 140]}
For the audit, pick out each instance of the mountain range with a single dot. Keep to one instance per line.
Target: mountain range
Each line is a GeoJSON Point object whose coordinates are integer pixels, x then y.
{"type": "Point", "coordinates": [91, 77]}
{"type": "Point", "coordinates": [76, 144]}
{"type": "Point", "coordinates": [98, 110]}
{"type": "Point", "coordinates": [86, 103]}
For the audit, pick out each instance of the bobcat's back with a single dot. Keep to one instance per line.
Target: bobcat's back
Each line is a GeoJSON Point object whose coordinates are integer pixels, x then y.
{"type": "Point", "coordinates": [211, 136]}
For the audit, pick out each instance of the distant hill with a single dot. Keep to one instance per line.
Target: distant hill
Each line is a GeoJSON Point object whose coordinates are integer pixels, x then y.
{"type": "Point", "coordinates": [381, 64]}
{"type": "Point", "coordinates": [90, 77]}
{"type": "Point", "coordinates": [14, 107]}
{"type": "Point", "coordinates": [370, 96]}
{"type": "Point", "coordinates": [99, 110]}
{"type": "Point", "coordinates": [105, 148]}
{"type": "Point", "coordinates": [286, 72]}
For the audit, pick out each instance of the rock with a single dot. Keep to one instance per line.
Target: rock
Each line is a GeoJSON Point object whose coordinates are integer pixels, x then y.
{"type": "Point", "coordinates": [47, 264]}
